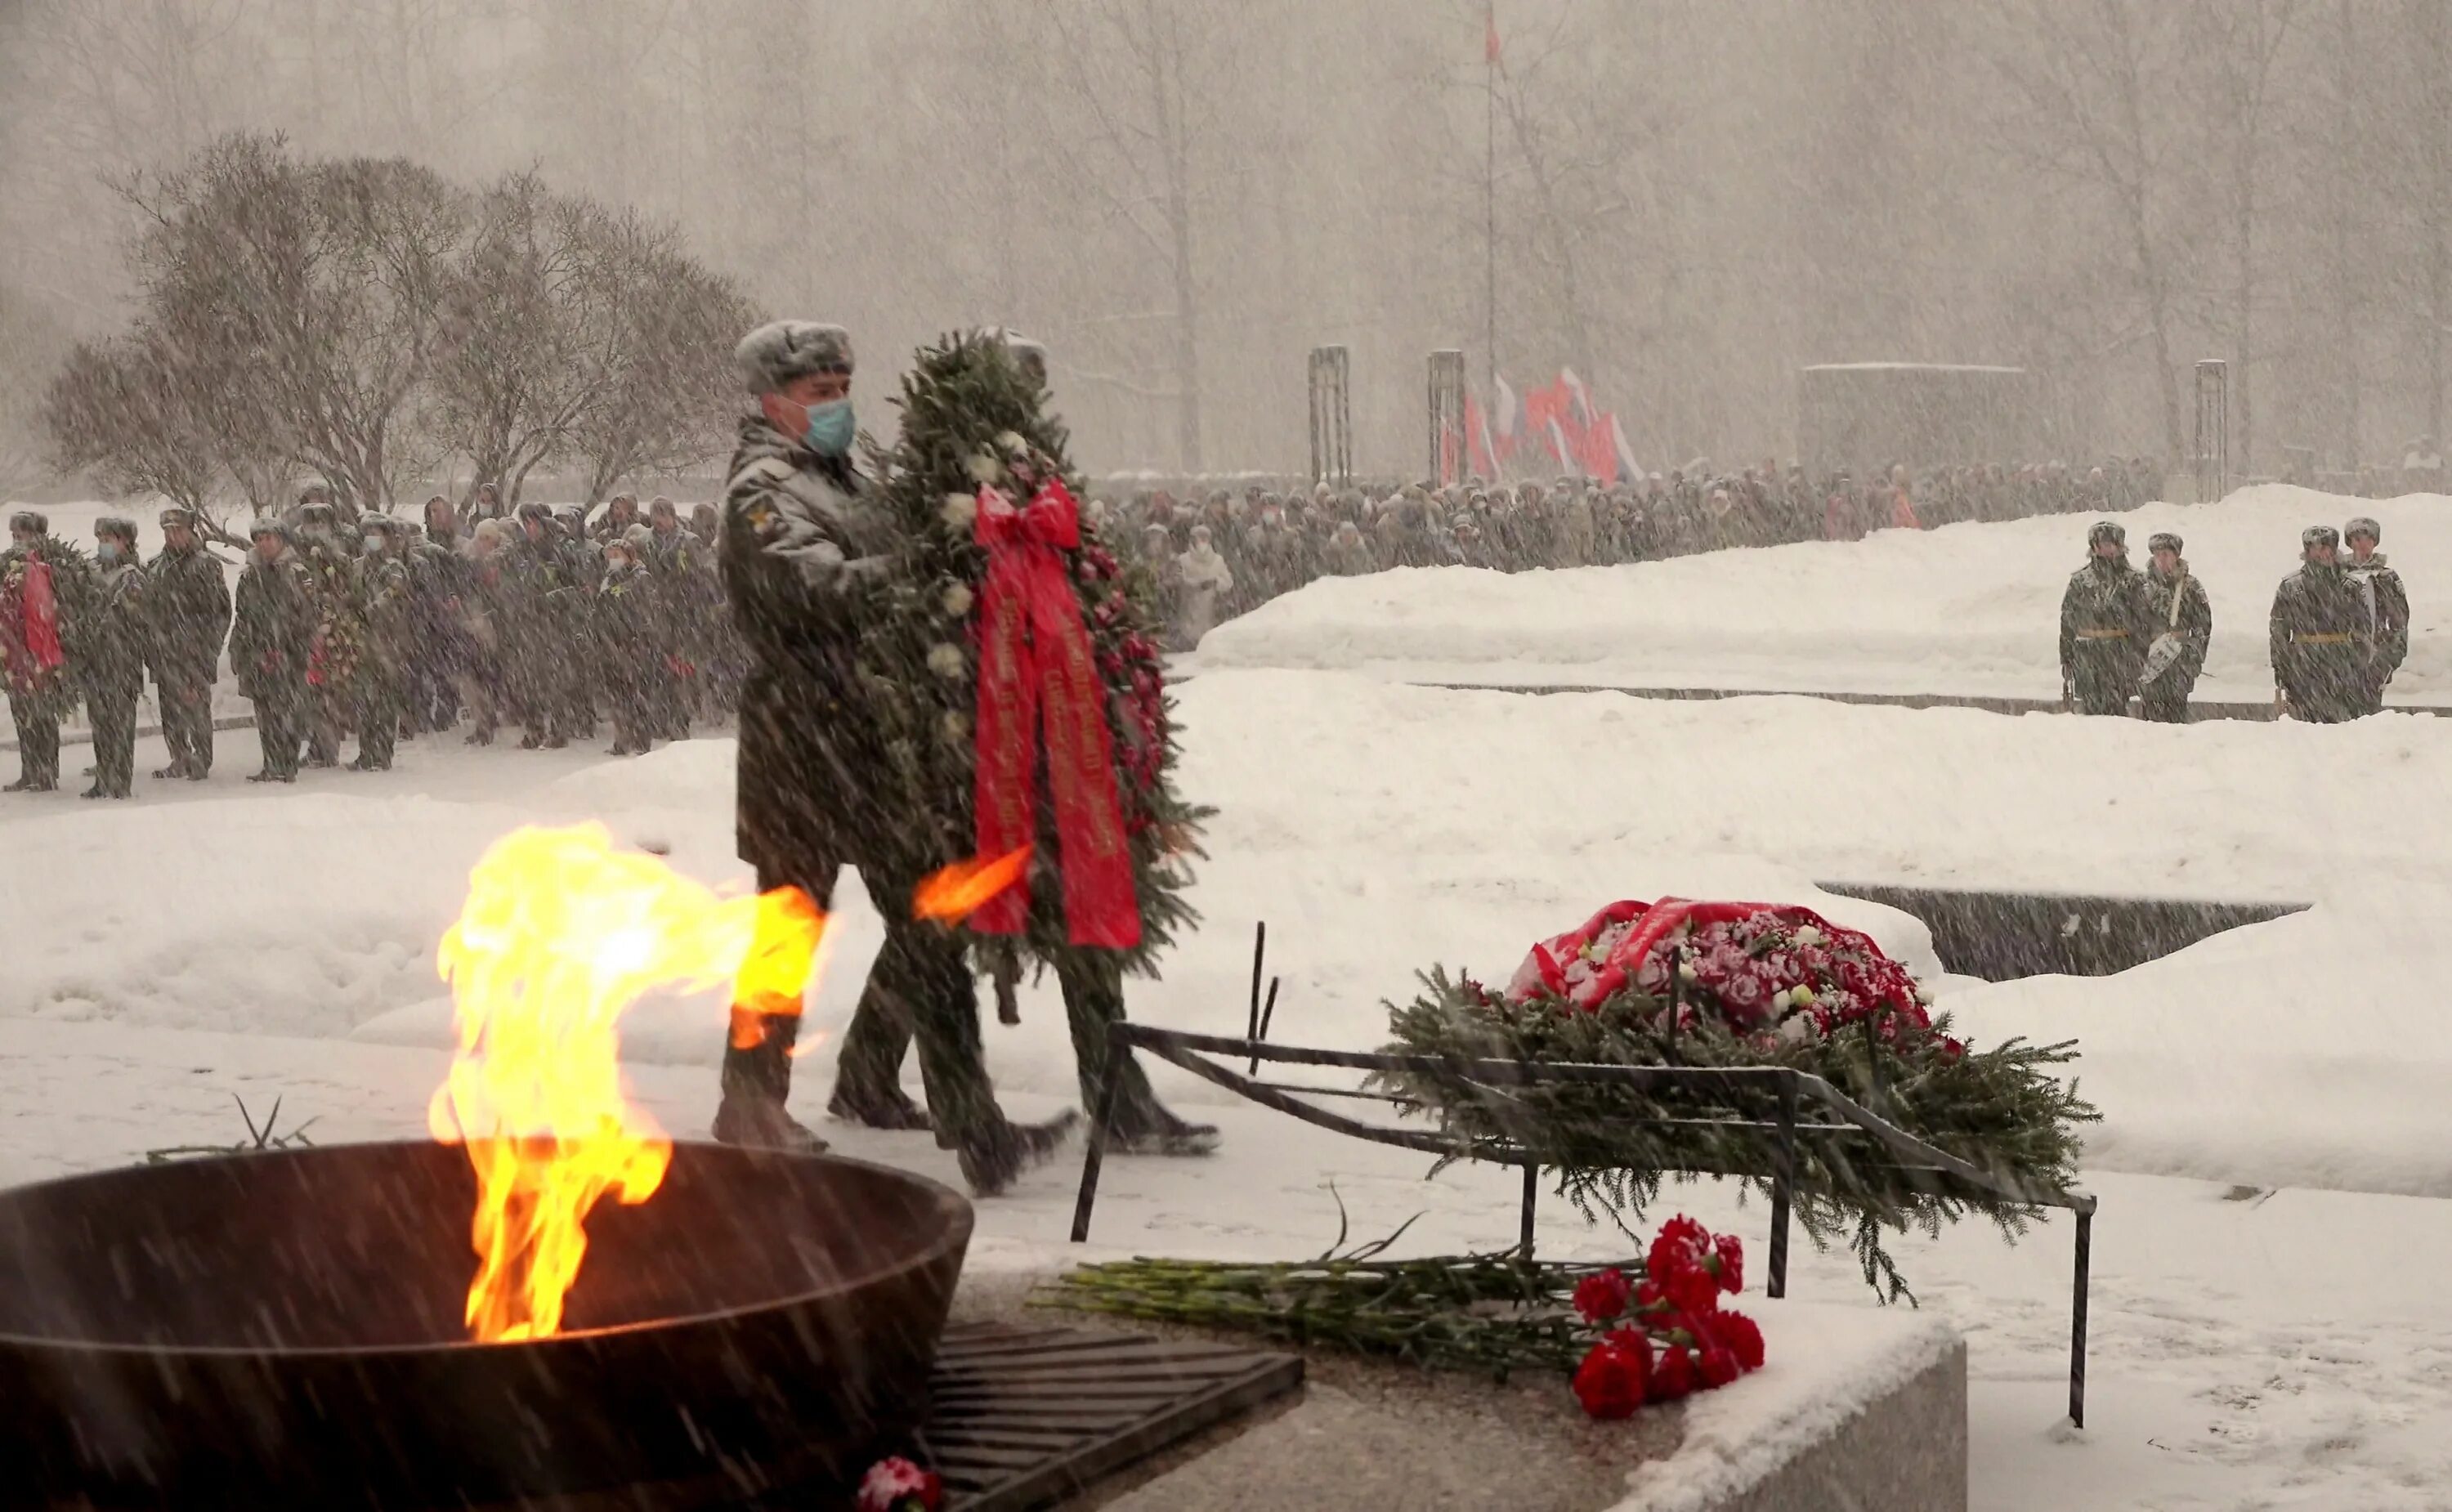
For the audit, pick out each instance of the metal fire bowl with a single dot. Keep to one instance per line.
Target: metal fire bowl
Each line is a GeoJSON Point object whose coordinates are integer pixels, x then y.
{"type": "Point", "coordinates": [284, 1329]}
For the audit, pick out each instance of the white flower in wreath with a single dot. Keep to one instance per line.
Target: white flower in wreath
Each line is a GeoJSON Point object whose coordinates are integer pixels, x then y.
{"type": "Point", "coordinates": [1686, 972]}
{"type": "Point", "coordinates": [985, 468]}
{"type": "Point", "coordinates": [957, 599]}
{"type": "Point", "coordinates": [1011, 444]}
{"type": "Point", "coordinates": [957, 725]}
{"type": "Point", "coordinates": [1808, 934]}
{"type": "Point", "coordinates": [959, 510]}
{"type": "Point", "coordinates": [1796, 1030]}
{"type": "Point", "coordinates": [945, 659]}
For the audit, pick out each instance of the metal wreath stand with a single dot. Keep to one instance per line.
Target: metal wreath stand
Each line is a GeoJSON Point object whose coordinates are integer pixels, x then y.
{"type": "Point", "coordinates": [1784, 1090]}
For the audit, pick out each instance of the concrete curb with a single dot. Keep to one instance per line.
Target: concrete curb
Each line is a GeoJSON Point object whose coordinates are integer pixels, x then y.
{"type": "Point", "coordinates": [2196, 712]}
{"type": "Point", "coordinates": [1905, 1451]}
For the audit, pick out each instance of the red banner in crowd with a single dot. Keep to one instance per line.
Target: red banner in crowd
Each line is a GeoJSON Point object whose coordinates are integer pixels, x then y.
{"type": "Point", "coordinates": [1034, 663]}
{"type": "Point", "coordinates": [1555, 429]}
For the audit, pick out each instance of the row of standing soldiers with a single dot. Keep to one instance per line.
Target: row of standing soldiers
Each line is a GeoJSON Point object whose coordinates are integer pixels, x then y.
{"type": "Point", "coordinates": [2338, 631]}
{"type": "Point", "coordinates": [77, 628]}
{"type": "Point", "coordinates": [534, 620]}
{"type": "Point", "coordinates": [346, 622]}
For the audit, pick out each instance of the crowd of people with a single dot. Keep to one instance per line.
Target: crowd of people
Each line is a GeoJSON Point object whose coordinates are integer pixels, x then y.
{"type": "Point", "coordinates": [549, 625]}
{"type": "Point", "coordinates": [2338, 631]}
{"type": "Point", "coordinates": [360, 624]}
{"type": "Point", "coordinates": [1227, 553]}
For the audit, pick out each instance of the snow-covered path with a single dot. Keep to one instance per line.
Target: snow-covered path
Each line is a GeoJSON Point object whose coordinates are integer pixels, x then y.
{"type": "Point", "coordinates": [2285, 1350]}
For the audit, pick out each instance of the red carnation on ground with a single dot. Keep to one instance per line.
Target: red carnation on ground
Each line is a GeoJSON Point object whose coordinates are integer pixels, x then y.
{"type": "Point", "coordinates": [1615, 1376]}
{"type": "Point", "coordinates": [1681, 1245]}
{"type": "Point", "coordinates": [1674, 1375]}
{"type": "Point", "coordinates": [1603, 1296]}
{"type": "Point", "coordinates": [898, 1485]}
{"type": "Point", "coordinates": [1729, 1254]}
{"type": "Point", "coordinates": [1718, 1366]}
{"type": "Point", "coordinates": [1693, 1289]}
{"type": "Point", "coordinates": [1741, 1337]}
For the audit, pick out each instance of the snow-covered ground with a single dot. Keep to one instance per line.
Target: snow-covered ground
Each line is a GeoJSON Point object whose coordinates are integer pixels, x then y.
{"type": "Point", "coordinates": [2288, 1348]}
{"type": "Point", "coordinates": [1969, 609]}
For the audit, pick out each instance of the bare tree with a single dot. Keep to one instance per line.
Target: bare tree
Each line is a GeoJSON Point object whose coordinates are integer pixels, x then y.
{"type": "Point", "coordinates": [2082, 80]}
{"type": "Point", "coordinates": [121, 411]}
{"type": "Point", "coordinates": [531, 318]}
{"type": "Point", "coordinates": [2243, 42]}
{"type": "Point", "coordinates": [322, 284]}
{"type": "Point", "coordinates": [1148, 83]}
{"type": "Point", "coordinates": [672, 395]}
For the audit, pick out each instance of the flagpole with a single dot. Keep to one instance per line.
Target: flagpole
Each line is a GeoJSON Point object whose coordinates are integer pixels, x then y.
{"type": "Point", "coordinates": [1490, 210]}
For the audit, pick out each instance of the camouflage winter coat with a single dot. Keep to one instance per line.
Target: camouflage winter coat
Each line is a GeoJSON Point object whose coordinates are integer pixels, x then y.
{"type": "Point", "coordinates": [191, 615]}
{"type": "Point", "coordinates": [2106, 616]}
{"type": "Point", "coordinates": [115, 643]}
{"type": "Point", "coordinates": [273, 628]}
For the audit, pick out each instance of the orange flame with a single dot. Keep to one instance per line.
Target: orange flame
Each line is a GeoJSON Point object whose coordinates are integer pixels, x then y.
{"type": "Point", "coordinates": [562, 931]}
{"type": "Point", "coordinates": [965, 887]}
{"type": "Point", "coordinates": [775, 974]}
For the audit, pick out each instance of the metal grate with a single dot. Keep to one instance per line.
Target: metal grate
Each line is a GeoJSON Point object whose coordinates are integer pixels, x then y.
{"type": "Point", "coordinates": [1026, 1416]}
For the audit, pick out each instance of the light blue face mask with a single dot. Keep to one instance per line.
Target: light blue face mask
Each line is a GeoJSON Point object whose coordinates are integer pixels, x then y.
{"type": "Point", "coordinates": [106, 551]}
{"type": "Point", "coordinates": [831, 429]}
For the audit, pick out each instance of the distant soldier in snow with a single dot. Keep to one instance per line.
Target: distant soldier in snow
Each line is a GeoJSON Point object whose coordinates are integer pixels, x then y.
{"type": "Point", "coordinates": [2183, 625]}
{"type": "Point", "coordinates": [685, 602]}
{"type": "Point", "coordinates": [45, 589]}
{"type": "Point", "coordinates": [270, 639]}
{"type": "Point", "coordinates": [2388, 603]}
{"type": "Point", "coordinates": [2104, 624]}
{"type": "Point", "coordinates": [625, 649]}
{"type": "Point", "coordinates": [2321, 634]}
{"type": "Point", "coordinates": [113, 647]}
{"type": "Point", "coordinates": [339, 632]}
{"type": "Point", "coordinates": [191, 617]}
{"type": "Point", "coordinates": [386, 607]}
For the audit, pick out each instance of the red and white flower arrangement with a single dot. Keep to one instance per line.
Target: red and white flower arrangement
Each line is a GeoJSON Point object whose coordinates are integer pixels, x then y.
{"type": "Point", "coordinates": [898, 1485]}
{"type": "Point", "coordinates": [1667, 1335]}
{"type": "Point", "coordinates": [1775, 972]}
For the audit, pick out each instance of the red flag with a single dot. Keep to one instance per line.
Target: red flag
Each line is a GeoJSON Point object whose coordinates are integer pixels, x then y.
{"type": "Point", "coordinates": [1490, 41]}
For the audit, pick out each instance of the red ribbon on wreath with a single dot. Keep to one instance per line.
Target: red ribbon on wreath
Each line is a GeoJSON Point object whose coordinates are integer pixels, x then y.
{"type": "Point", "coordinates": [1035, 664]}
{"type": "Point", "coordinates": [1545, 967]}
{"type": "Point", "coordinates": [42, 618]}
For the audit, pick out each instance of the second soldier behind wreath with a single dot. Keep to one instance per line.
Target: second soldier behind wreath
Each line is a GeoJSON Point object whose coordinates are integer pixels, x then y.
{"type": "Point", "coordinates": [2105, 623]}
{"type": "Point", "coordinates": [2181, 626]}
{"type": "Point", "coordinates": [804, 551]}
{"type": "Point", "coordinates": [2320, 634]}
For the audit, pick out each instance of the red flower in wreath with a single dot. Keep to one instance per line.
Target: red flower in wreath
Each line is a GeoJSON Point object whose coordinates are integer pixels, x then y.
{"type": "Point", "coordinates": [1717, 1366]}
